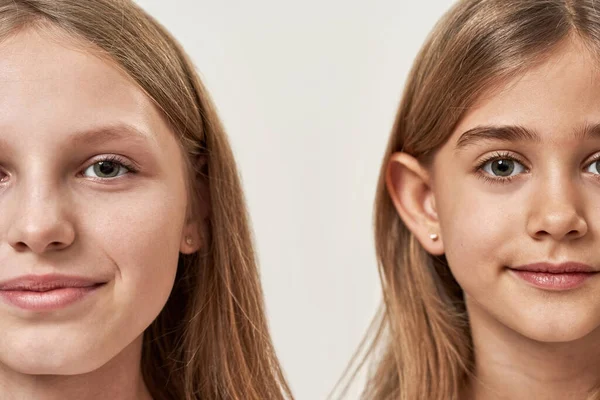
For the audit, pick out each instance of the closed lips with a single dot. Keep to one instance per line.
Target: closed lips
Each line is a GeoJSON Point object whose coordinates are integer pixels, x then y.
{"type": "Point", "coordinates": [563, 268]}
{"type": "Point", "coordinates": [43, 283]}
{"type": "Point", "coordinates": [44, 288]}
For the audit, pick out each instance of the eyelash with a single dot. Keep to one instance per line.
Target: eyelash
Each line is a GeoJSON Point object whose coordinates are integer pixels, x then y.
{"type": "Point", "coordinates": [493, 157]}
{"type": "Point", "coordinates": [118, 161]}
{"type": "Point", "coordinates": [480, 173]}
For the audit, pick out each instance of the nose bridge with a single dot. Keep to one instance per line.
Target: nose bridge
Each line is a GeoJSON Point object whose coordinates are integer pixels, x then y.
{"type": "Point", "coordinates": [39, 205]}
{"type": "Point", "coordinates": [36, 197]}
{"type": "Point", "coordinates": [557, 205]}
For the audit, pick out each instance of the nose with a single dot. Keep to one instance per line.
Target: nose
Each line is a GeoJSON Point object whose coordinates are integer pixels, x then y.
{"type": "Point", "coordinates": [39, 222]}
{"type": "Point", "coordinates": [557, 212]}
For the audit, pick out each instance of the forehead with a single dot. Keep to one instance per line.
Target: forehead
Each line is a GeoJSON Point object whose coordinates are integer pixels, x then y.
{"type": "Point", "coordinates": [53, 84]}
{"type": "Point", "coordinates": [554, 98]}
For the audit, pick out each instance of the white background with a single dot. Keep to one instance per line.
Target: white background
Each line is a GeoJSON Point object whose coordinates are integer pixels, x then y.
{"type": "Point", "coordinates": [308, 91]}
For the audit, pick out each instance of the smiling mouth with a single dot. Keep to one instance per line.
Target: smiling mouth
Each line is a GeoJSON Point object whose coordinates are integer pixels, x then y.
{"type": "Point", "coordinates": [554, 281]}
{"type": "Point", "coordinates": [48, 288]}
{"type": "Point", "coordinates": [47, 300]}
{"type": "Point", "coordinates": [562, 268]}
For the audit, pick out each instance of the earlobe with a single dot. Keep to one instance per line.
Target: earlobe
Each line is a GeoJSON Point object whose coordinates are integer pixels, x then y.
{"type": "Point", "coordinates": [191, 240]}
{"type": "Point", "coordinates": [409, 186]}
{"type": "Point", "coordinates": [196, 228]}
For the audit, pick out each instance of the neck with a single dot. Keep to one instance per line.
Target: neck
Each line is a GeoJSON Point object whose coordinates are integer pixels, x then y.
{"type": "Point", "coordinates": [119, 379]}
{"type": "Point", "coordinates": [509, 365]}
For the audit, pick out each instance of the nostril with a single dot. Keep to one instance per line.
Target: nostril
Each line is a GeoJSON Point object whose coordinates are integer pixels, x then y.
{"type": "Point", "coordinates": [56, 245]}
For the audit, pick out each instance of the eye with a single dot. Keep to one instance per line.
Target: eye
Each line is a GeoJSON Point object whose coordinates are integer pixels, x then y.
{"type": "Point", "coordinates": [500, 168]}
{"type": "Point", "coordinates": [594, 166]}
{"type": "Point", "coordinates": [110, 167]}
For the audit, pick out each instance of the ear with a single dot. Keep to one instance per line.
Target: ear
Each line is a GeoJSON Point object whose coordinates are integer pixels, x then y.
{"type": "Point", "coordinates": [408, 184]}
{"type": "Point", "coordinates": [195, 229]}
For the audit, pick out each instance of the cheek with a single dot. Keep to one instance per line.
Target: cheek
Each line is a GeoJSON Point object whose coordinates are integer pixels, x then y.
{"type": "Point", "coordinates": [141, 239]}
{"type": "Point", "coordinates": [142, 243]}
{"type": "Point", "coordinates": [475, 228]}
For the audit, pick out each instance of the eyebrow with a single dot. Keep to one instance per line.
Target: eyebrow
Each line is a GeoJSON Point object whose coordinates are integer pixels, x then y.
{"type": "Point", "coordinates": [106, 133]}
{"type": "Point", "coordinates": [517, 133]}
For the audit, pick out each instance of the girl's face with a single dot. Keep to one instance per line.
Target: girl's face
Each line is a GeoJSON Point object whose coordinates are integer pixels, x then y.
{"type": "Point", "coordinates": [536, 197]}
{"type": "Point", "coordinates": [62, 110]}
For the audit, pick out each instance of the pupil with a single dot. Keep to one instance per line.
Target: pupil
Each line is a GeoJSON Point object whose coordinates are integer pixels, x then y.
{"type": "Point", "coordinates": [503, 167]}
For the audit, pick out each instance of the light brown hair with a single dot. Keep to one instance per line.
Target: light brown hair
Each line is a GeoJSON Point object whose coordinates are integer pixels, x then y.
{"type": "Point", "coordinates": [419, 344]}
{"type": "Point", "coordinates": [211, 340]}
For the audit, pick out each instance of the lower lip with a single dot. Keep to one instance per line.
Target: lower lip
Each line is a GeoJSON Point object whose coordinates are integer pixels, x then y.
{"type": "Point", "coordinates": [548, 281]}
{"type": "Point", "coordinates": [46, 301]}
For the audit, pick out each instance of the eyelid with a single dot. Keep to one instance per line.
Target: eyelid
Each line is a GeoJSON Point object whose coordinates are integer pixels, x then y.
{"type": "Point", "coordinates": [126, 162]}
{"type": "Point", "coordinates": [500, 155]}
{"type": "Point", "coordinates": [131, 167]}
{"type": "Point", "coordinates": [593, 158]}
{"type": "Point", "coordinates": [507, 155]}
{"type": "Point", "coordinates": [503, 154]}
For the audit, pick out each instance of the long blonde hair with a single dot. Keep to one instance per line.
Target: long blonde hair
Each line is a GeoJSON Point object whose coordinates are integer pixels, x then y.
{"type": "Point", "coordinates": [211, 340]}
{"type": "Point", "coordinates": [420, 344]}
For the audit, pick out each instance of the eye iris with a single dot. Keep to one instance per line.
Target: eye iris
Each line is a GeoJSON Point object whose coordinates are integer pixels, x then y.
{"type": "Point", "coordinates": [105, 168]}
{"type": "Point", "coordinates": [503, 167]}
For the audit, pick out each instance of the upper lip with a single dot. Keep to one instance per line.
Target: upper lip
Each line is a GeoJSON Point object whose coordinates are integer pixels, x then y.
{"type": "Point", "coordinates": [41, 283]}
{"type": "Point", "coordinates": [556, 268]}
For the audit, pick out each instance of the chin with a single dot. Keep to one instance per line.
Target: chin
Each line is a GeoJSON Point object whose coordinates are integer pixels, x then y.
{"type": "Point", "coordinates": [53, 362]}
{"type": "Point", "coordinates": [47, 367]}
{"type": "Point", "coordinates": [557, 331]}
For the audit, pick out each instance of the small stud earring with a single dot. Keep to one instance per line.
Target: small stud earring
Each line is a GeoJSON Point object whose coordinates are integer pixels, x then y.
{"type": "Point", "coordinates": [188, 240]}
{"type": "Point", "coordinates": [433, 236]}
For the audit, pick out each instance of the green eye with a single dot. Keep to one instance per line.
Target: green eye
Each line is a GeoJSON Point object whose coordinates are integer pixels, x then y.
{"type": "Point", "coordinates": [106, 169]}
{"type": "Point", "coordinates": [109, 167]}
{"type": "Point", "coordinates": [502, 167]}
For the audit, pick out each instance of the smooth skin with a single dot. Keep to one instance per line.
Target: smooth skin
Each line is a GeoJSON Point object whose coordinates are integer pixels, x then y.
{"type": "Point", "coordinates": [62, 214]}
{"type": "Point", "coordinates": [546, 344]}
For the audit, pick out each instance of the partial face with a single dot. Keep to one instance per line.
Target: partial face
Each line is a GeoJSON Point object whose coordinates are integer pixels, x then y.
{"type": "Point", "coordinates": [122, 222]}
{"type": "Point", "coordinates": [506, 203]}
